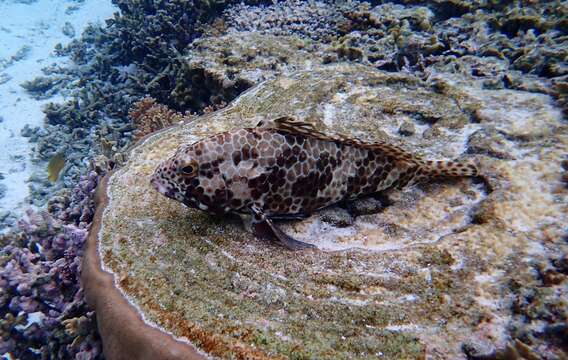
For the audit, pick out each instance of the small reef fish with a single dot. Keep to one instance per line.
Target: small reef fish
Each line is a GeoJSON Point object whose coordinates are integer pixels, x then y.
{"type": "Point", "coordinates": [286, 169]}
{"type": "Point", "coordinates": [54, 167]}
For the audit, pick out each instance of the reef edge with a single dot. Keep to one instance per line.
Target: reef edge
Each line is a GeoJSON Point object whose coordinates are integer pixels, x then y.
{"type": "Point", "coordinates": [125, 335]}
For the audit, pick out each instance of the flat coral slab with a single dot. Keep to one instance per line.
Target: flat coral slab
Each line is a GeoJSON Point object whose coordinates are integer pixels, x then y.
{"type": "Point", "coordinates": [421, 276]}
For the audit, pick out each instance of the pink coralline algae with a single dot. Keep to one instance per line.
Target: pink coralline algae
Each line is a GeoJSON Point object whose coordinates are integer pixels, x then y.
{"type": "Point", "coordinates": [43, 314]}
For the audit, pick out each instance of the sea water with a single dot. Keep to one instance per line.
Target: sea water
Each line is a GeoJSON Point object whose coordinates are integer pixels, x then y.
{"type": "Point", "coordinates": [29, 32]}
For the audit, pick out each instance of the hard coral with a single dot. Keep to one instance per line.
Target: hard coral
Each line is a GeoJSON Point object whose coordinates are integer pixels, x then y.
{"type": "Point", "coordinates": [453, 248]}
{"type": "Point", "coordinates": [42, 310]}
{"type": "Point", "coordinates": [149, 116]}
{"type": "Point", "coordinates": [146, 26]}
{"type": "Point", "coordinates": [156, 33]}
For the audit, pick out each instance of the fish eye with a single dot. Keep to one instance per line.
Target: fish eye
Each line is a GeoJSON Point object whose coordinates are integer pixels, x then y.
{"type": "Point", "coordinates": [188, 170]}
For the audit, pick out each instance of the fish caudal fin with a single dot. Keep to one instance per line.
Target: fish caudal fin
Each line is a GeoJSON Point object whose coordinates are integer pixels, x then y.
{"type": "Point", "coordinates": [443, 168]}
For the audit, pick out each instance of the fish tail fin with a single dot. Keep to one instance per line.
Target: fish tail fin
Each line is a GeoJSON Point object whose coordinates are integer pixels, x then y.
{"type": "Point", "coordinates": [444, 168]}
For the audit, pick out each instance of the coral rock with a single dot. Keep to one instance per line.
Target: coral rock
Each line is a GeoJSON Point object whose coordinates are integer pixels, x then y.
{"type": "Point", "coordinates": [426, 274]}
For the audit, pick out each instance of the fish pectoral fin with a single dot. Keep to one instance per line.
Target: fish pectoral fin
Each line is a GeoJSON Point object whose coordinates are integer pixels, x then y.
{"type": "Point", "coordinates": [264, 227]}
{"type": "Point", "coordinates": [286, 240]}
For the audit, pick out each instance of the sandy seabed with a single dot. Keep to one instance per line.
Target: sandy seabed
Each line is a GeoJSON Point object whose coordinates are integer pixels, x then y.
{"type": "Point", "coordinates": [29, 31]}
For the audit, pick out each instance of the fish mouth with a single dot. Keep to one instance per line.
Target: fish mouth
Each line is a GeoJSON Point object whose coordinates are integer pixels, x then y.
{"type": "Point", "coordinates": [163, 188]}
{"type": "Point", "coordinates": [158, 185]}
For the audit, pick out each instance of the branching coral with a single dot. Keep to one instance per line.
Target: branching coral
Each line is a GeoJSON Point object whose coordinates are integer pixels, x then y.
{"type": "Point", "coordinates": [42, 310]}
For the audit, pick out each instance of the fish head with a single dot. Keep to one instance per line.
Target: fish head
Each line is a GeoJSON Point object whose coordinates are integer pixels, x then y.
{"type": "Point", "coordinates": [193, 177]}
{"type": "Point", "coordinates": [177, 176]}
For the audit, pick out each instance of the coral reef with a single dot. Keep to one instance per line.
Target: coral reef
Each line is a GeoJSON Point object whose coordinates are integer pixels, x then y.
{"type": "Point", "coordinates": [135, 55]}
{"type": "Point", "coordinates": [182, 54]}
{"type": "Point", "coordinates": [41, 87]}
{"type": "Point", "coordinates": [415, 37]}
{"type": "Point", "coordinates": [42, 310]}
{"type": "Point", "coordinates": [217, 69]}
{"type": "Point", "coordinates": [195, 56]}
{"type": "Point", "coordinates": [457, 269]}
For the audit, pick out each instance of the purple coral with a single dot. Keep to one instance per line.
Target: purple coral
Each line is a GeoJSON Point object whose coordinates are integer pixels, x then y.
{"type": "Point", "coordinates": [42, 310]}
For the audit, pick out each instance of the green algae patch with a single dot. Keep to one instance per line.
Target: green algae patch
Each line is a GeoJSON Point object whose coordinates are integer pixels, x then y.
{"type": "Point", "coordinates": [418, 276]}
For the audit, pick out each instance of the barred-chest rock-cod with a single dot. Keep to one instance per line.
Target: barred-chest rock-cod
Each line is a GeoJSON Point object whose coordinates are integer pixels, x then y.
{"type": "Point", "coordinates": [286, 169]}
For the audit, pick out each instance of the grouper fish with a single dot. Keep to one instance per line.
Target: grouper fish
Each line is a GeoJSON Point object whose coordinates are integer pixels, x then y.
{"type": "Point", "coordinates": [286, 169]}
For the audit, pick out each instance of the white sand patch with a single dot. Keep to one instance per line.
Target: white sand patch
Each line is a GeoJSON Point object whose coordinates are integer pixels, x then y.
{"type": "Point", "coordinates": [36, 28]}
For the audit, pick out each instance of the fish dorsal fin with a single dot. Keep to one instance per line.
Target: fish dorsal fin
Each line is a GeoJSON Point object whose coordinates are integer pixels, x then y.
{"type": "Point", "coordinates": [292, 125]}
{"type": "Point", "coordinates": [285, 122]}
{"type": "Point", "coordinates": [290, 122]}
{"type": "Point", "coordinates": [393, 150]}
{"type": "Point", "coordinates": [386, 147]}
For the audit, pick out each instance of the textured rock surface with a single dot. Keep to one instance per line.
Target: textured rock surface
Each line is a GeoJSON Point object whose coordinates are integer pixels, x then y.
{"type": "Point", "coordinates": [217, 69]}
{"type": "Point", "coordinates": [126, 336]}
{"type": "Point", "coordinates": [433, 270]}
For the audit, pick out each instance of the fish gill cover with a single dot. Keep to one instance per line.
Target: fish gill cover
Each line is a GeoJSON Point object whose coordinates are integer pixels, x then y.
{"type": "Point", "coordinates": [197, 56]}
